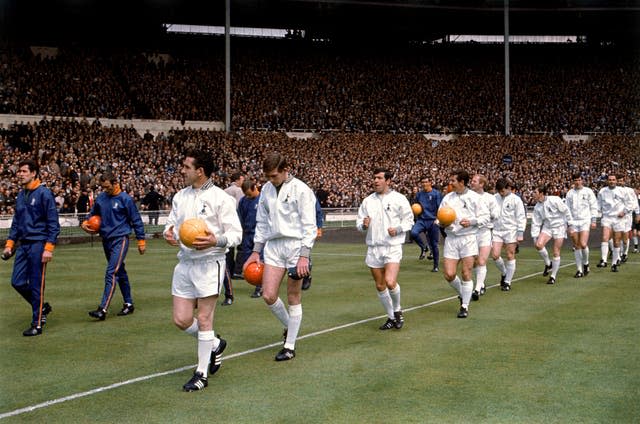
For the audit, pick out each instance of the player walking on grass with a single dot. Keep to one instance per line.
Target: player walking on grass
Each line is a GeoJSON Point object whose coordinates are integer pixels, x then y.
{"type": "Point", "coordinates": [550, 219]}
{"type": "Point", "coordinates": [460, 244]}
{"type": "Point", "coordinates": [631, 208]}
{"type": "Point", "coordinates": [583, 205]}
{"type": "Point", "coordinates": [611, 205]}
{"type": "Point", "coordinates": [429, 199]}
{"type": "Point", "coordinates": [32, 238]}
{"type": "Point", "coordinates": [197, 278]}
{"type": "Point", "coordinates": [479, 184]}
{"type": "Point", "coordinates": [118, 215]}
{"type": "Point", "coordinates": [386, 216]}
{"type": "Point", "coordinates": [508, 230]}
{"type": "Point", "coordinates": [285, 234]}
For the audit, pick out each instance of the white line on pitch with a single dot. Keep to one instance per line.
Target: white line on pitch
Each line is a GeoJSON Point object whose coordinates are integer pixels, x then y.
{"type": "Point", "coordinates": [227, 357]}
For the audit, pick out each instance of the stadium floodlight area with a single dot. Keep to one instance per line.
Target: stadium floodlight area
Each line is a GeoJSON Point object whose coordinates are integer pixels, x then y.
{"type": "Point", "coordinates": [235, 31]}
{"type": "Point", "coordinates": [513, 39]}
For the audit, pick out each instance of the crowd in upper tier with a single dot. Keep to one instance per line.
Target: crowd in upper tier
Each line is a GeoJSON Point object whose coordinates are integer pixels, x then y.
{"type": "Point", "coordinates": [284, 85]}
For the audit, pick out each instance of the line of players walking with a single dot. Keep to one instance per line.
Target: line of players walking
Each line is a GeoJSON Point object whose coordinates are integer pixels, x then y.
{"type": "Point", "coordinates": [487, 224]}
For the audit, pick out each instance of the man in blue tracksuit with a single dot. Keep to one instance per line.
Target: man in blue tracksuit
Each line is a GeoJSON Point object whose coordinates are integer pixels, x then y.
{"type": "Point", "coordinates": [118, 214]}
{"type": "Point", "coordinates": [429, 198]}
{"type": "Point", "coordinates": [247, 209]}
{"type": "Point", "coordinates": [32, 237]}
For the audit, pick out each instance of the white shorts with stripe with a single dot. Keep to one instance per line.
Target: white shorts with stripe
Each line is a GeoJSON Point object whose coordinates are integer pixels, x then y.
{"type": "Point", "coordinates": [196, 279]}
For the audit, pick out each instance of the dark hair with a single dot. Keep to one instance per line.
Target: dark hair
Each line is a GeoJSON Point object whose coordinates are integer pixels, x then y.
{"type": "Point", "coordinates": [202, 160]}
{"type": "Point", "coordinates": [274, 161]}
{"type": "Point", "coordinates": [32, 164]}
{"type": "Point", "coordinates": [108, 176]}
{"type": "Point", "coordinates": [576, 175]}
{"type": "Point", "coordinates": [236, 176]}
{"type": "Point", "coordinates": [542, 188]}
{"type": "Point", "coordinates": [461, 175]}
{"type": "Point", "coordinates": [387, 174]}
{"type": "Point", "coordinates": [503, 183]}
{"type": "Point", "coordinates": [248, 185]}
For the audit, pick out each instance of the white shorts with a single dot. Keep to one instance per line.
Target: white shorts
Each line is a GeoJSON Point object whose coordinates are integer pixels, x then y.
{"type": "Point", "coordinates": [616, 224]}
{"type": "Point", "coordinates": [555, 232]}
{"type": "Point", "coordinates": [282, 252]}
{"type": "Point", "coordinates": [196, 279]}
{"type": "Point", "coordinates": [379, 256]}
{"type": "Point", "coordinates": [483, 236]}
{"type": "Point", "coordinates": [582, 225]}
{"type": "Point", "coordinates": [505, 236]}
{"type": "Point", "coordinates": [628, 222]}
{"type": "Point", "coordinates": [458, 247]}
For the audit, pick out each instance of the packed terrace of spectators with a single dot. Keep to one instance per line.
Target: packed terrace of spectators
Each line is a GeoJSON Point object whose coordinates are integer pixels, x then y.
{"type": "Point", "coordinates": [284, 86]}
{"type": "Point", "coordinates": [338, 165]}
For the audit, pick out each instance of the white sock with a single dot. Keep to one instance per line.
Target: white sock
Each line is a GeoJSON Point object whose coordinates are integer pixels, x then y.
{"type": "Point", "coordinates": [635, 241]}
{"type": "Point", "coordinates": [616, 255]}
{"type": "Point", "coordinates": [545, 256]}
{"type": "Point", "coordinates": [604, 251]}
{"type": "Point", "coordinates": [295, 319]}
{"type": "Point", "coordinates": [395, 298]}
{"type": "Point", "coordinates": [511, 269]}
{"type": "Point", "coordinates": [626, 247]}
{"type": "Point", "coordinates": [611, 245]}
{"type": "Point", "coordinates": [481, 275]}
{"type": "Point", "coordinates": [585, 256]}
{"type": "Point", "coordinates": [555, 266]}
{"type": "Point", "coordinates": [387, 303]}
{"type": "Point", "coordinates": [500, 265]}
{"type": "Point", "coordinates": [455, 283]}
{"type": "Point", "coordinates": [278, 309]}
{"type": "Point", "coordinates": [578, 254]}
{"type": "Point", "coordinates": [466, 287]}
{"type": "Point", "coordinates": [205, 345]}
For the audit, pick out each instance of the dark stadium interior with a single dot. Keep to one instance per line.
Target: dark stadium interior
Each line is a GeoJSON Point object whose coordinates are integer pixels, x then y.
{"type": "Point", "coordinates": [140, 21]}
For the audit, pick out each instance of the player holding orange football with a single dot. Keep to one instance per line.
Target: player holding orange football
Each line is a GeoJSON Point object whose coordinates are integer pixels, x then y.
{"type": "Point", "coordinates": [460, 244]}
{"type": "Point", "coordinates": [118, 216]}
{"type": "Point", "coordinates": [285, 233]}
{"type": "Point", "coordinates": [429, 199]}
{"type": "Point", "coordinates": [386, 216]}
{"type": "Point", "coordinates": [197, 278]}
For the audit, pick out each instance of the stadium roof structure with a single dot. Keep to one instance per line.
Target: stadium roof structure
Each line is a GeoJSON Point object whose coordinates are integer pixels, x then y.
{"type": "Point", "coordinates": [74, 20]}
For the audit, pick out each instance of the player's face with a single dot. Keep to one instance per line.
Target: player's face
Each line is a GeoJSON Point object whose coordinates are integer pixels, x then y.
{"type": "Point", "coordinates": [475, 183]}
{"type": "Point", "coordinates": [538, 196]}
{"type": "Point", "coordinates": [504, 192]}
{"type": "Point", "coordinates": [611, 181]}
{"type": "Point", "coordinates": [191, 174]}
{"type": "Point", "coordinates": [457, 186]}
{"type": "Point", "coordinates": [107, 187]}
{"type": "Point", "coordinates": [578, 183]}
{"type": "Point", "coordinates": [380, 185]}
{"type": "Point", "coordinates": [25, 175]}
{"type": "Point", "coordinates": [426, 185]}
{"type": "Point", "coordinates": [276, 177]}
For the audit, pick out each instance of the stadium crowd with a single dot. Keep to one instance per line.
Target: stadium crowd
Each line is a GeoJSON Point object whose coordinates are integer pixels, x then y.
{"type": "Point", "coordinates": [337, 165]}
{"type": "Point", "coordinates": [283, 85]}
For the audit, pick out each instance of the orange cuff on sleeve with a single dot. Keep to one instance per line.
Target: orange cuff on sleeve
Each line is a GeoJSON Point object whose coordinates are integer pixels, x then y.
{"type": "Point", "coordinates": [10, 244]}
{"type": "Point", "coordinates": [142, 243]}
{"type": "Point", "coordinates": [49, 247]}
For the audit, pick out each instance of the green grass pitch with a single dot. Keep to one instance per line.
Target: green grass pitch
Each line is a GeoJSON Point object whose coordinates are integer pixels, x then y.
{"type": "Point", "coordinates": [538, 354]}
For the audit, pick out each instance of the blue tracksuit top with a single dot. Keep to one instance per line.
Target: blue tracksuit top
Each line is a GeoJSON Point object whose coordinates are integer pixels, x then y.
{"type": "Point", "coordinates": [247, 210]}
{"type": "Point", "coordinates": [430, 202]}
{"type": "Point", "coordinates": [119, 215]}
{"type": "Point", "coordinates": [319, 215]}
{"type": "Point", "coordinates": [36, 216]}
